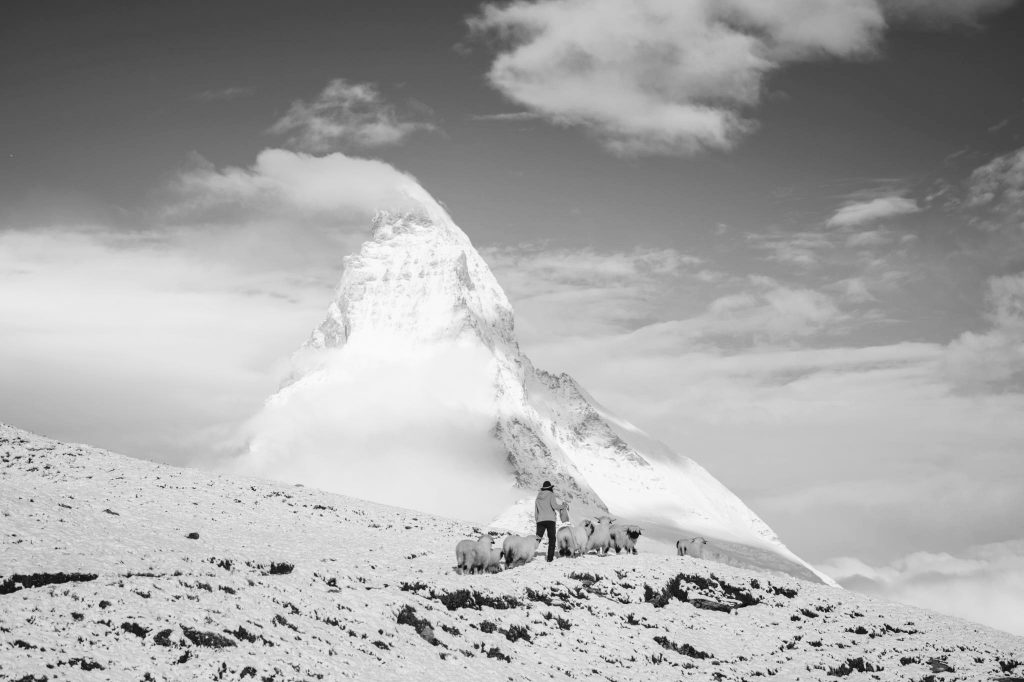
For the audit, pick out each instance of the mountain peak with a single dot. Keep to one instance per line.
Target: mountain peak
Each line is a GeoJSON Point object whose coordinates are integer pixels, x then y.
{"type": "Point", "coordinates": [418, 395]}
{"type": "Point", "coordinates": [388, 223]}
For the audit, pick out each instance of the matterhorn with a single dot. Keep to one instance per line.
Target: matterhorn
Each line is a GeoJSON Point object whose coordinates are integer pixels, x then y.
{"type": "Point", "coordinates": [414, 392]}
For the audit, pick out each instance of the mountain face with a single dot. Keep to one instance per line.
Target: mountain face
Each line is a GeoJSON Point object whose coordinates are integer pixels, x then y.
{"type": "Point", "coordinates": [413, 391]}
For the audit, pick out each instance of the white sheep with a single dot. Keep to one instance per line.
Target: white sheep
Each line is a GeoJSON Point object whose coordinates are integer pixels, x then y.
{"type": "Point", "coordinates": [570, 540]}
{"type": "Point", "coordinates": [600, 539]}
{"type": "Point", "coordinates": [519, 549]}
{"type": "Point", "coordinates": [691, 547]}
{"type": "Point", "coordinates": [472, 556]}
{"type": "Point", "coordinates": [624, 538]}
{"type": "Point", "coordinates": [494, 562]}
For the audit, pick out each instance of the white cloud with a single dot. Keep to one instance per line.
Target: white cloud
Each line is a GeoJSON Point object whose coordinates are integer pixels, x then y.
{"type": "Point", "coordinates": [583, 291]}
{"type": "Point", "coordinates": [772, 313]}
{"type": "Point", "coordinates": [668, 77]}
{"type": "Point", "coordinates": [855, 290]}
{"type": "Point", "coordinates": [508, 116]}
{"type": "Point", "coordinates": [225, 94]}
{"type": "Point", "coordinates": [577, 293]}
{"type": "Point", "coordinates": [801, 248]}
{"type": "Point", "coordinates": [662, 76]}
{"type": "Point", "coordinates": [294, 182]}
{"type": "Point", "coordinates": [869, 239]}
{"type": "Point", "coordinates": [995, 357]}
{"type": "Point", "coordinates": [872, 210]}
{"type": "Point", "coordinates": [983, 583]}
{"type": "Point", "coordinates": [346, 115]}
{"type": "Point", "coordinates": [999, 187]}
{"type": "Point", "coordinates": [383, 416]}
{"type": "Point", "coordinates": [145, 343]}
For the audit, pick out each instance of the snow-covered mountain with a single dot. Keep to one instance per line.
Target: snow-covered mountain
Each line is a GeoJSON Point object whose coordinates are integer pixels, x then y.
{"type": "Point", "coordinates": [114, 568]}
{"type": "Point", "coordinates": [414, 391]}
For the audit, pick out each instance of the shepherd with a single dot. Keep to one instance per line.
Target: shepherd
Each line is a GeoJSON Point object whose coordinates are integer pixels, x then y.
{"type": "Point", "coordinates": [548, 508]}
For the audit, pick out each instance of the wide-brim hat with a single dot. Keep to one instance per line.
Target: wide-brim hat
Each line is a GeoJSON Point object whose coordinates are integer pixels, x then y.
{"type": "Point", "coordinates": [547, 486]}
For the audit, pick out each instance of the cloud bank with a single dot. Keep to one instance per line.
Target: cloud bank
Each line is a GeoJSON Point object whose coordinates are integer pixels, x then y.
{"type": "Point", "coordinates": [383, 420]}
{"type": "Point", "coordinates": [174, 325]}
{"type": "Point", "coordinates": [993, 359]}
{"type": "Point", "coordinates": [983, 583]}
{"type": "Point", "coordinates": [676, 77]}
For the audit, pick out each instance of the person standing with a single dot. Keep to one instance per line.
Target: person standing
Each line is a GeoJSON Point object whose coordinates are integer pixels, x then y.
{"type": "Point", "coordinates": [547, 508]}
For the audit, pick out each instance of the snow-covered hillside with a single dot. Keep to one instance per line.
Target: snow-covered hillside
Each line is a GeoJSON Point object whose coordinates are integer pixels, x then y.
{"type": "Point", "coordinates": [414, 392]}
{"type": "Point", "coordinates": [121, 569]}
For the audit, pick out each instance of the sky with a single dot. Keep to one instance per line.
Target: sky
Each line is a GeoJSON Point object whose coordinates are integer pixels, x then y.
{"type": "Point", "coordinates": [786, 237]}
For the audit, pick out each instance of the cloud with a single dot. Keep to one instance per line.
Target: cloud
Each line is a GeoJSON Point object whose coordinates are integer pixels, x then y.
{"type": "Point", "coordinates": [872, 210]}
{"type": "Point", "coordinates": [983, 583]}
{"type": "Point", "coordinates": [382, 416]}
{"type": "Point", "coordinates": [346, 116]}
{"type": "Point", "coordinates": [225, 94]}
{"type": "Point", "coordinates": [870, 239]}
{"type": "Point", "coordinates": [804, 248]}
{"type": "Point", "coordinates": [334, 184]}
{"type": "Point", "coordinates": [662, 76]}
{"type": "Point", "coordinates": [855, 290]}
{"type": "Point", "coordinates": [995, 357]}
{"type": "Point", "coordinates": [149, 343]}
{"type": "Point", "coordinates": [770, 313]}
{"type": "Point", "coordinates": [509, 116]}
{"type": "Point", "coordinates": [998, 187]}
{"type": "Point", "coordinates": [677, 77]}
{"type": "Point", "coordinates": [588, 291]}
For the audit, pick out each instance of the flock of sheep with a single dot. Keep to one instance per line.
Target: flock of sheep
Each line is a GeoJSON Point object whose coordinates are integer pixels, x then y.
{"type": "Point", "coordinates": [599, 536]}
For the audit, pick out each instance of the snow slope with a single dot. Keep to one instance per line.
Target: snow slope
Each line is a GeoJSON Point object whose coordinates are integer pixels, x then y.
{"type": "Point", "coordinates": [414, 391]}
{"type": "Point", "coordinates": [289, 583]}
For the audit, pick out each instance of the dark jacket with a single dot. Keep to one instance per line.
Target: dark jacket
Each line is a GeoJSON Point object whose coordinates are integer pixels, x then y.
{"type": "Point", "coordinates": [547, 506]}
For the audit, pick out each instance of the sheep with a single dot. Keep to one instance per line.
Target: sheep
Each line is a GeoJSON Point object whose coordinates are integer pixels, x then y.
{"type": "Point", "coordinates": [691, 547]}
{"type": "Point", "coordinates": [519, 549]}
{"type": "Point", "coordinates": [565, 542]}
{"type": "Point", "coordinates": [600, 539]}
{"type": "Point", "coordinates": [570, 540]}
{"type": "Point", "coordinates": [473, 556]}
{"type": "Point", "coordinates": [494, 562]}
{"type": "Point", "coordinates": [624, 538]}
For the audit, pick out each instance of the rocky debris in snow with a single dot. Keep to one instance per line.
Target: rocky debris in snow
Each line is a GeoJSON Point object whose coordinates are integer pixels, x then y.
{"type": "Point", "coordinates": [19, 581]}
